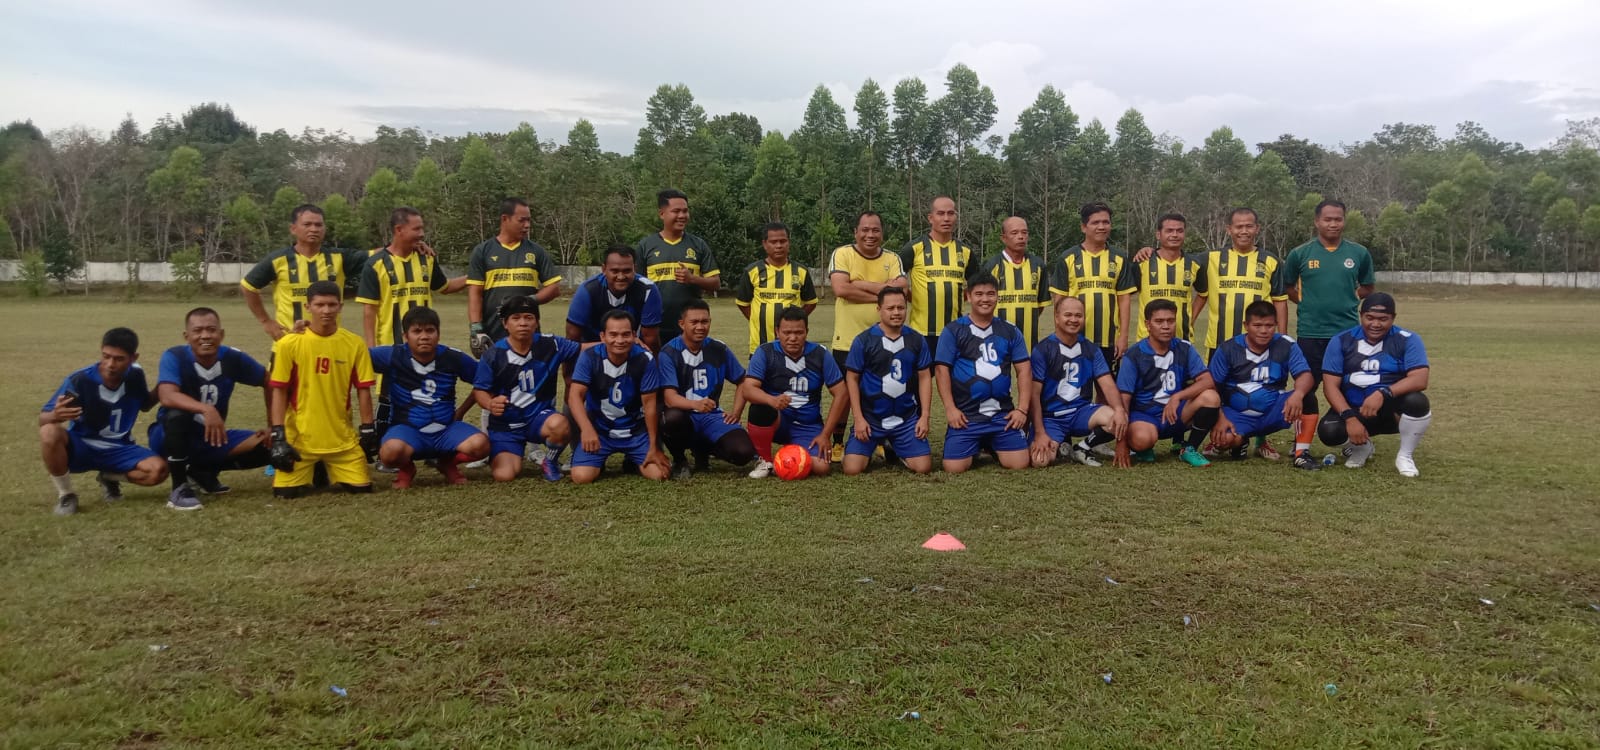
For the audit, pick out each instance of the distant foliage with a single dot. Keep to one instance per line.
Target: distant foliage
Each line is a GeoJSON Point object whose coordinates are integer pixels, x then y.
{"type": "Point", "coordinates": [188, 274]}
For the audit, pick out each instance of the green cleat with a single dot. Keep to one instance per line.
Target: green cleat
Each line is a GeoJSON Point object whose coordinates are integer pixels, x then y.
{"type": "Point", "coordinates": [1193, 458]}
{"type": "Point", "coordinates": [1146, 456]}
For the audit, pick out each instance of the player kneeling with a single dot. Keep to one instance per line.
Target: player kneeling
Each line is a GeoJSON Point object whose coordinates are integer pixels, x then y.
{"type": "Point", "coordinates": [888, 407]}
{"type": "Point", "coordinates": [784, 389]}
{"type": "Point", "coordinates": [612, 397]}
{"type": "Point", "coordinates": [1250, 371]}
{"type": "Point", "coordinates": [694, 368]}
{"type": "Point", "coordinates": [86, 425]}
{"type": "Point", "coordinates": [1064, 366]}
{"type": "Point", "coordinates": [516, 386]}
{"type": "Point", "coordinates": [1167, 389]}
{"type": "Point", "coordinates": [420, 376]}
{"type": "Point", "coordinates": [1384, 369]}
{"type": "Point", "coordinates": [976, 354]}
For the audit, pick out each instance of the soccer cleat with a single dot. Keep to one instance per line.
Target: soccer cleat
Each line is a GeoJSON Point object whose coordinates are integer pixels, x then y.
{"type": "Point", "coordinates": [208, 483]}
{"type": "Point", "coordinates": [536, 452]}
{"type": "Point", "coordinates": [837, 454]}
{"type": "Point", "coordinates": [681, 470]}
{"type": "Point", "coordinates": [1265, 450]}
{"type": "Point", "coordinates": [566, 465]}
{"type": "Point", "coordinates": [1355, 456]}
{"type": "Point", "coordinates": [404, 475]}
{"type": "Point", "coordinates": [448, 468]}
{"type": "Point", "coordinates": [1106, 450]}
{"type": "Point", "coordinates": [1406, 466]}
{"type": "Point", "coordinates": [1238, 453]}
{"type": "Point", "coordinates": [1146, 456]}
{"type": "Point", "coordinates": [1307, 462]}
{"type": "Point", "coordinates": [762, 470]}
{"type": "Point", "coordinates": [1211, 451]}
{"type": "Point", "coordinates": [183, 498]}
{"type": "Point", "coordinates": [1079, 454]}
{"type": "Point", "coordinates": [478, 464]}
{"type": "Point", "coordinates": [1192, 457]}
{"type": "Point", "coordinates": [383, 468]}
{"type": "Point", "coordinates": [67, 504]}
{"type": "Point", "coordinates": [547, 466]}
{"type": "Point", "coordinates": [110, 489]}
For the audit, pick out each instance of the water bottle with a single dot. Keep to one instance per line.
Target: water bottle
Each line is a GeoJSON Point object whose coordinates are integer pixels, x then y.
{"type": "Point", "coordinates": [1328, 460]}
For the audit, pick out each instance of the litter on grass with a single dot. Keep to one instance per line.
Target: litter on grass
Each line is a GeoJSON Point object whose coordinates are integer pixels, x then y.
{"type": "Point", "coordinates": [863, 580]}
{"type": "Point", "coordinates": [1330, 689]}
{"type": "Point", "coordinates": [911, 716]}
{"type": "Point", "coordinates": [1488, 602]}
{"type": "Point", "coordinates": [1111, 581]}
{"type": "Point", "coordinates": [339, 691]}
{"type": "Point", "coordinates": [1106, 677]}
{"type": "Point", "coordinates": [1187, 620]}
{"type": "Point", "coordinates": [158, 647]}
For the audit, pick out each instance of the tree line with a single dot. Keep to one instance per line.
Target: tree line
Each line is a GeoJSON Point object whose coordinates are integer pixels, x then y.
{"type": "Point", "coordinates": [208, 185]}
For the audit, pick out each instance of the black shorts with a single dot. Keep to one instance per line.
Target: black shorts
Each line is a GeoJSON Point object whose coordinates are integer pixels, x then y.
{"type": "Point", "coordinates": [1314, 350]}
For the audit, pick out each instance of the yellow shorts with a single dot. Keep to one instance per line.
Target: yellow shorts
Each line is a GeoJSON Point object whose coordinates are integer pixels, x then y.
{"type": "Point", "coordinates": [346, 467]}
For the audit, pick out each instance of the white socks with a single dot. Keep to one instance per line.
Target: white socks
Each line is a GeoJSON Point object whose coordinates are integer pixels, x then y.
{"type": "Point", "coordinates": [63, 485]}
{"type": "Point", "coordinates": [1411, 431]}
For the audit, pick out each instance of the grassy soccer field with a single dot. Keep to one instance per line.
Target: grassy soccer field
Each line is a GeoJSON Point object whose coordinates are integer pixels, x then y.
{"type": "Point", "coordinates": [724, 610]}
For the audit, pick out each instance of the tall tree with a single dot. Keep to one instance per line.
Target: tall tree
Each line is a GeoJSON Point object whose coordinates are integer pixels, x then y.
{"type": "Point", "coordinates": [1037, 151]}
{"type": "Point", "coordinates": [966, 112]}
{"type": "Point", "coordinates": [912, 135]}
{"type": "Point", "coordinates": [872, 133]}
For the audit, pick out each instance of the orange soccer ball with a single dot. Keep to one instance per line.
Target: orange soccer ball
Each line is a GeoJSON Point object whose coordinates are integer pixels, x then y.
{"type": "Point", "coordinates": [791, 462]}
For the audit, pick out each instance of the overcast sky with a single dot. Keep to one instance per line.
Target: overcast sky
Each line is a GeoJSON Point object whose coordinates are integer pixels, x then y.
{"type": "Point", "coordinates": [1333, 72]}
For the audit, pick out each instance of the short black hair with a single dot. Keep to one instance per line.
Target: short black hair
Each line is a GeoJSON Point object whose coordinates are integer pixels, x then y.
{"type": "Point", "coordinates": [618, 249]}
{"type": "Point", "coordinates": [794, 312]}
{"type": "Point", "coordinates": [983, 279]}
{"type": "Point", "coordinates": [1329, 203]}
{"type": "Point", "coordinates": [773, 226]}
{"type": "Point", "coordinates": [694, 304]}
{"type": "Point", "coordinates": [1157, 305]}
{"type": "Point", "coordinates": [402, 216]}
{"type": "Point", "coordinates": [1171, 216]}
{"type": "Point", "coordinates": [200, 311]}
{"type": "Point", "coordinates": [423, 316]}
{"type": "Point", "coordinates": [665, 197]}
{"type": "Point", "coordinates": [865, 214]}
{"type": "Point", "coordinates": [323, 289]}
{"type": "Point", "coordinates": [518, 305]}
{"type": "Point", "coordinates": [617, 314]}
{"type": "Point", "coordinates": [1093, 207]}
{"type": "Point", "coordinates": [938, 198]}
{"type": "Point", "coordinates": [294, 216]}
{"type": "Point", "coordinates": [1255, 217]}
{"type": "Point", "coordinates": [509, 204]}
{"type": "Point", "coordinates": [890, 291]}
{"type": "Point", "coordinates": [121, 338]}
{"type": "Point", "coordinates": [1260, 309]}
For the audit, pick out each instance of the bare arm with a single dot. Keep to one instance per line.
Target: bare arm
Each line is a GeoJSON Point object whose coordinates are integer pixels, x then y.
{"type": "Point", "coordinates": [474, 303]}
{"type": "Point", "coordinates": [651, 337]}
{"type": "Point", "coordinates": [1282, 306]}
{"type": "Point", "coordinates": [252, 300]}
{"type": "Point", "coordinates": [745, 310]}
{"type": "Point", "coordinates": [841, 401]}
{"type": "Point", "coordinates": [547, 293]}
{"type": "Point", "coordinates": [857, 290]}
{"type": "Point", "coordinates": [369, 324]}
{"type": "Point", "coordinates": [454, 285]}
{"type": "Point", "coordinates": [1364, 290]}
{"type": "Point", "coordinates": [280, 405]}
{"type": "Point", "coordinates": [364, 404]}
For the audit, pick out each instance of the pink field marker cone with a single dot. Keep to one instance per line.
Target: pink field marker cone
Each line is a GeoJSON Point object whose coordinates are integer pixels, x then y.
{"type": "Point", "coordinates": [943, 542]}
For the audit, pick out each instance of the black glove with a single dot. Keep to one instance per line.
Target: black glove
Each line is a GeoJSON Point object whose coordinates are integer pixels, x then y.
{"type": "Point", "coordinates": [283, 454]}
{"type": "Point", "coordinates": [369, 440]}
{"type": "Point", "coordinates": [478, 340]}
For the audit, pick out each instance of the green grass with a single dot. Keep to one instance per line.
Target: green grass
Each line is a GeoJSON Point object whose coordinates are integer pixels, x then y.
{"type": "Point", "coordinates": [728, 611]}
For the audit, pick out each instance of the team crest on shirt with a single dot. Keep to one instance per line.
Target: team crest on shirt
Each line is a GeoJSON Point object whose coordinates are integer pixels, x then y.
{"type": "Point", "coordinates": [527, 257]}
{"type": "Point", "coordinates": [1349, 263]}
{"type": "Point", "coordinates": [655, 254]}
{"type": "Point", "coordinates": [689, 253]}
{"type": "Point", "coordinates": [1261, 269]}
{"type": "Point", "coordinates": [494, 257]}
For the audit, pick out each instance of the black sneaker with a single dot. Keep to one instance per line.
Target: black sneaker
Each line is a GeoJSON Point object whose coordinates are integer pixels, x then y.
{"type": "Point", "coordinates": [1306, 462]}
{"type": "Point", "coordinates": [67, 504]}
{"type": "Point", "coordinates": [110, 490]}
{"type": "Point", "coordinates": [208, 483]}
{"type": "Point", "coordinates": [183, 498]}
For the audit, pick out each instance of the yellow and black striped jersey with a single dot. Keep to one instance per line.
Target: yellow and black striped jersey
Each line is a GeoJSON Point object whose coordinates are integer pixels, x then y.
{"type": "Point", "coordinates": [1023, 292]}
{"type": "Point", "coordinates": [1096, 278]}
{"type": "Point", "coordinates": [395, 285]}
{"type": "Point", "coordinates": [1230, 280]}
{"type": "Point", "coordinates": [290, 273]}
{"type": "Point", "coordinates": [765, 289]}
{"type": "Point", "coordinates": [1159, 278]}
{"type": "Point", "coordinates": [936, 275]}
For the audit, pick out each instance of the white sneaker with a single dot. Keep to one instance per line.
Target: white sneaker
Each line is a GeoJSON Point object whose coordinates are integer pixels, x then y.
{"type": "Point", "coordinates": [762, 470]}
{"type": "Point", "coordinates": [1109, 450]}
{"type": "Point", "coordinates": [478, 464]}
{"type": "Point", "coordinates": [535, 453]}
{"type": "Point", "coordinates": [1355, 456]}
{"type": "Point", "coordinates": [1406, 466]}
{"type": "Point", "coordinates": [1082, 456]}
{"type": "Point", "coordinates": [566, 464]}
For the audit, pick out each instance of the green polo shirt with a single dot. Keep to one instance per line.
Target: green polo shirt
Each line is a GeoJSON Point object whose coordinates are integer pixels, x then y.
{"type": "Point", "coordinates": [1328, 281]}
{"type": "Point", "coordinates": [659, 260]}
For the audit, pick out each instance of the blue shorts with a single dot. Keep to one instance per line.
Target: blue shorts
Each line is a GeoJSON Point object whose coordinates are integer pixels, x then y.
{"type": "Point", "coordinates": [1246, 425]}
{"type": "Point", "coordinates": [710, 427]}
{"type": "Point", "coordinates": [967, 441]}
{"type": "Point", "coordinates": [635, 449]}
{"type": "Point", "coordinates": [1072, 424]}
{"type": "Point", "coordinates": [516, 441]}
{"type": "Point", "coordinates": [790, 432]}
{"type": "Point", "coordinates": [96, 454]}
{"type": "Point", "coordinates": [200, 451]}
{"type": "Point", "coordinates": [902, 439]}
{"type": "Point", "coordinates": [438, 444]}
{"type": "Point", "coordinates": [1164, 430]}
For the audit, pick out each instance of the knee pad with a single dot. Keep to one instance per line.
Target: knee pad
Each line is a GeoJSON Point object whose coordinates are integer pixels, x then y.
{"type": "Point", "coordinates": [1413, 404]}
{"type": "Point", "coordinates": [1331, 430]}
{"type": "Point", "coordinates": [763, 415]}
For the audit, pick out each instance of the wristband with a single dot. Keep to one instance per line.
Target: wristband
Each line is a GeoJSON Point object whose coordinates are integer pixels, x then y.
{"type": "Point", "coordinates": [1349, 414]}
{"type": "Point", "coordinates": [1387, 394]}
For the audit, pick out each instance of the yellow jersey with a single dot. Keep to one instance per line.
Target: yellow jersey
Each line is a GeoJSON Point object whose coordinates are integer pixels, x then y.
{"type": "Point", "coordinates": [1230, 280]}
{"type": "Point", "coordinates": [1023, 292]}
{"type": "Point", "coordinates": [851, 318]}
{"type": "Point", "coordinates": [765, 289]}
{"type": "Point", "coordinates": [290, 274]}
{"type": "Point", "coordinates": [1159, 278]}
{"type": "Point", "coordinates": [396, 285]}
{"type": "Point", "coordinates": [319, 371]}
{"type": "Point", "coordinates": [936, 278]}
{"type": "Point", "coordinates": [1096, 278]}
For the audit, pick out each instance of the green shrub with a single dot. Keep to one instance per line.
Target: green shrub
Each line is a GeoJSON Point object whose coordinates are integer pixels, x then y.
{"type": "Point", "coordinates": [35, 275]}
{"type": "Point", "coordinates": [188, 276]}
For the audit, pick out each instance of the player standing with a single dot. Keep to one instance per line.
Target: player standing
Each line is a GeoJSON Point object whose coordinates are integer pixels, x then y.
{"type": "Point", "coordinates": [681, 265]}
{"type": "Point", "coordinates": [420, 376]}
{"type": "Point", "coordinates": [86, 425]}
{"type": "Point", "coordinates": [1327, 277]}
{"type": "Point", "coordinates": [768, 286]}
{"type": "Point", "coordinates": [1251, 371]}
{"type": "Point", "coordinates": [1374, 376]}
{"type": "Point", "coordinates": [938, 268]}
{"type": "Point", "coordinates": [1167, 389]}
{"type": "Point", "coordinates": [1164, 273]}
{"type": "Point", "coordinates": [1023, 289]}
{"type": "Point", "coordinates": [398, 278]}
{"type": "Point", "coordinates": [504, 266]}
{"type": "Point", "coordinates": [973, 363]}
{"type": "Point", "coordinates": [311, 377]}
{"type": "Point", "coordinates": [1064, 365]}
{"type": "Point", "coordinates": [290, 270]}
{"type": "Point", "coordinates": [784, 389]}
{"type": "Point", "coordinates": [612, 397]}
{"type": "Point", "coordinates": [856, 273]}
{"type": "Point", "coordinates": [891, 390]}
{"type": "Point", "coordinates": [694, 367]}
{"type": "Point", "coordinates": [516, 386]}
{"type": "Point", "coordinates": [195, 385]}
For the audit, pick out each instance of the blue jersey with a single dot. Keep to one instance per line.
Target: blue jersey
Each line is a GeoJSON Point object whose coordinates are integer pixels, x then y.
{"type": "Point", "coordinates": [615, 399]}
{"type": "Point", "coordinates": [107, 415]}
{"type": "Point", "coordinates": [980, 362]}
{"type": "Point", "coordinates": [1153, 379]}
{"type": "Point", "coordinates": [1366, 367]}
{"type": "Point", "coordinates": [1064, 373]}
{"type": "Point", "coordinates": [801, 379]}
{"type": "Point", "coordinates": [697, 376]}
{"type": "Point", "coordinates": [528, 381]}
{"type": "Point", "coordinates": [1250, 383]}
{"type": "Point", "coordinates": [594, 299]}
{"type": "Point", "coordinates": [422, 394]}
{"type": "Point", "coordinates": [888, 369]}
{"type": "Point", "coordinates": [209, 385]}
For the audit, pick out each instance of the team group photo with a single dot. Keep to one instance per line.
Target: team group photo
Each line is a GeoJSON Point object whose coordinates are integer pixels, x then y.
{"type": "Point", "coordinates": [571, 376]}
